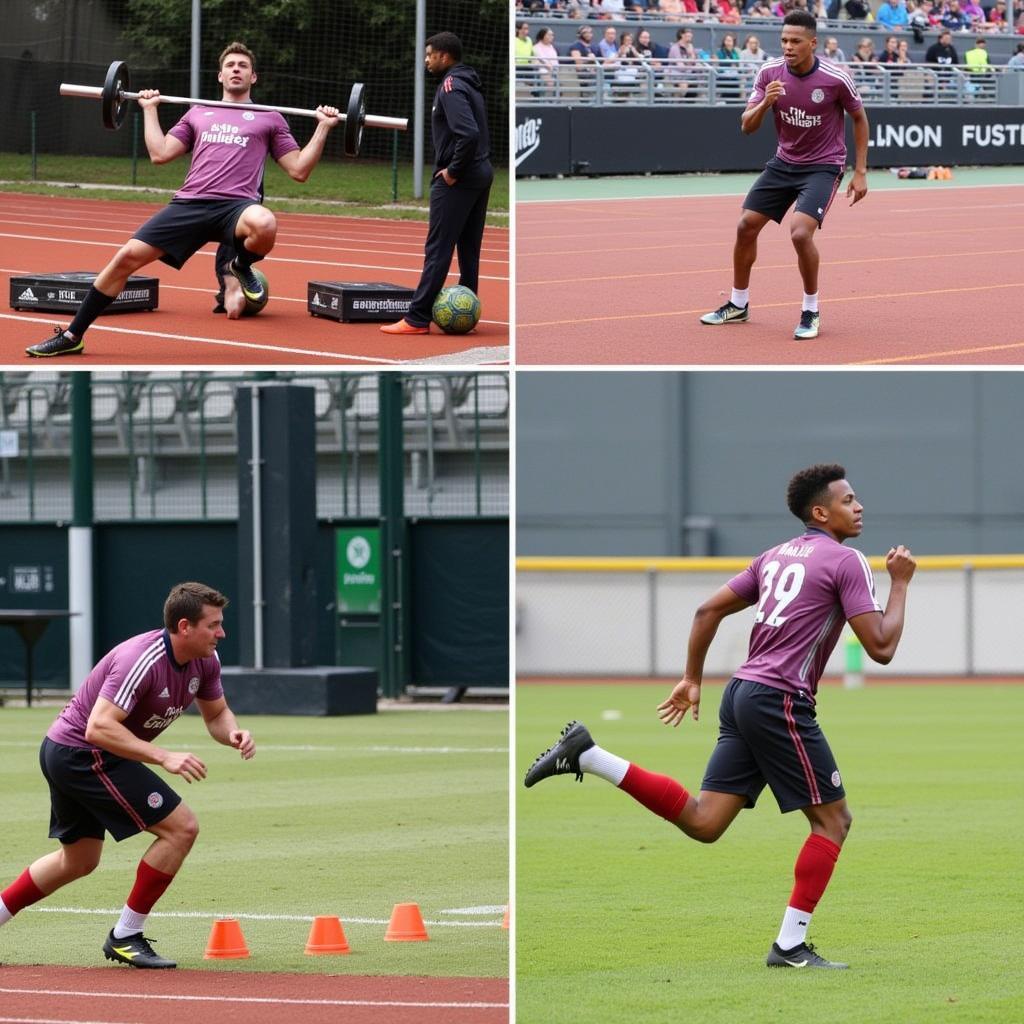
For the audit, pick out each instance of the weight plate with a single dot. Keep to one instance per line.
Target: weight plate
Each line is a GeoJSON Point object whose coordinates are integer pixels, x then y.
{"type": "Point", "coordinates": [115, 107]}
{"type": "Point", "coordinates": [354, 118]}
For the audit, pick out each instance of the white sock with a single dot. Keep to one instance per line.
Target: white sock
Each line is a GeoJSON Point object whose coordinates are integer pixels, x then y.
{"type": "Point", "coordinates": [130, 923]}
{"type": "Point", "coordinates": [609, 767]}
{"type": "Point", "coordinates": [740, 297]}
{"type": "Point", "coordinates": [810, 303]}
{"type": "Point", "coordinates": [5, 914]}
{"type": "Point", "coordinates": [794, 928]}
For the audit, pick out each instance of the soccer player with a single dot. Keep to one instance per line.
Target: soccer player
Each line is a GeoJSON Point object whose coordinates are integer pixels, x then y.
{"type": "Point", "coordinates": [94, 758]}
{"type": "Point", "coordinates": [461, 185]}
{"type": "Point", "coordinates": [809, 99]}
{"type": "Point", "coordinates": [220, 200]}
{"type": "Point", "coordinates": [804, 589]}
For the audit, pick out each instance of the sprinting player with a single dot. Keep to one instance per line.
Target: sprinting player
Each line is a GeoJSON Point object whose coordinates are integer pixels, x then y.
{"type": "Point", "coordinates": [461, 184]}
{"type": "Point", "coordinates": [804, 590]}
{"type": "Point", "coordinates": [94, 758]}
{"type": "Point", "coordinates": [220, 200]}
{"type": "Point", "coordinates": [809, 99]}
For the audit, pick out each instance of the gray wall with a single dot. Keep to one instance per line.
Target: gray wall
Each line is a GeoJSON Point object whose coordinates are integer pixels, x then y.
{"type": "Point", "coordinates": [616, 463]}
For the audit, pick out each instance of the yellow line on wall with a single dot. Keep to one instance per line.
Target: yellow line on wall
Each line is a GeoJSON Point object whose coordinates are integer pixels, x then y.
{"type": "Point", "coordinates": [734, 565]}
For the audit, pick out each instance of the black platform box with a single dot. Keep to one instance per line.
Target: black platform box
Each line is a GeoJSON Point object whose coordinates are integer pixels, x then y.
{"type": "Point", "coordinates": [352, 301]}
{"type": "Point", "coordinates": [316, 690]}
{"type": "Point", "coordinates": [63, 293]}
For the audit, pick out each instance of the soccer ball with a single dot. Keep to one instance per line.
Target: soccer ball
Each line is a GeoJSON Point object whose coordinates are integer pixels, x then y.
{"type": "Point", "coordinates": [252, 308]}
{"type": "Point", "coordinates": [456, 310]}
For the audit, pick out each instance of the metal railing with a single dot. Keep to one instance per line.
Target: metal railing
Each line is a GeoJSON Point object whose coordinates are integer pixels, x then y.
{"type": "Point", "coordinates": [566, 82]}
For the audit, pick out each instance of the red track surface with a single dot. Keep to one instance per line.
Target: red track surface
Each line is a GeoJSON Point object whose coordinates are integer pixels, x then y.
{"type": "Point", "coordinates": [123, 996]}
{"type": "Point", "coordinates": [40, 234]}
{"type": "Point", "coordinates": [906, 278]}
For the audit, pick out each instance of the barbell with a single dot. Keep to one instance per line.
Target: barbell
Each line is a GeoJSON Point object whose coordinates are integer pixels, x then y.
{"type": "Point", "coordinates": [115, 95]}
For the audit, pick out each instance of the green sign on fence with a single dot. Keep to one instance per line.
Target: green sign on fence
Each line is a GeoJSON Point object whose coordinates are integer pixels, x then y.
{"type": "Point", "coordinates": [358, 561]}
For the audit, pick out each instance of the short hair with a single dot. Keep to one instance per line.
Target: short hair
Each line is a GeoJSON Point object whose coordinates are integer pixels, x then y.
{"type": "Point", "coordinates": [187, 600]}
{"type": "Point", "coordinates": [809, 487]}
{"type": "Point", "coordinates": [802, 19]}
{"type": "Point", "coordinates": [446, 42]}
{"type": "Point", "coordinates": [236, 47]}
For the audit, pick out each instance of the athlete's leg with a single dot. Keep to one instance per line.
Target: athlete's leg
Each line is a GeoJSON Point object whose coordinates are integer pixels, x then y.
{"type": "Point", "coordinates": [255, 233]}
{"type": "Point", "coordinates": [470, 242]}
{"type": "Point", "coordinates": [745, 251]}
{"type": "Point", "coordinates": [801, 231]}
{"type": "Point", "coordinates": [132, 256]}
{"type": "Point", "coordinates": [706, 817]}
{"type": "Point", "coordinates": [48, 874]}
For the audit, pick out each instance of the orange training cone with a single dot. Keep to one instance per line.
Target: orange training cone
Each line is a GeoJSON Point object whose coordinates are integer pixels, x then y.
{"type": "Point", "coordinates": [327, 936]}
{"type": "Point", "coordinates": [406, 924]}
{"type": "Point", "coordinates": [504, 920]}
{"type": "Point", "coordinates": [226, 941]}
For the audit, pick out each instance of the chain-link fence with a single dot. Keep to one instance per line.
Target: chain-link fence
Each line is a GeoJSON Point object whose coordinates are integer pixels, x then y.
{"type": "Point", "coordinates": [165, 444]}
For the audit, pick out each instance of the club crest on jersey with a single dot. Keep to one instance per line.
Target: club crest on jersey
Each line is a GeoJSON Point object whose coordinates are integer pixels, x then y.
{"type": "Point", "coordinates": [817, 96]}
{"type": "Point", "coordinates": [250, 116]}
{"type": "Point", "coordinates": [193, 685]}
{"type": "Point", "coordinates": [835, 779]}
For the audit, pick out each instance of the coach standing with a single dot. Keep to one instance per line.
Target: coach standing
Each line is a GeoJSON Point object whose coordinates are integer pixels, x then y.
{"type": "Point", "coordinates": [461, 184]}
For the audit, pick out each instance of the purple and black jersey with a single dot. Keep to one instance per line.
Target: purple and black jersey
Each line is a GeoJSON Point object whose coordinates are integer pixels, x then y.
{"type": "Point", "coordinates": [810, 116]}
{"type": "Point", "coordinates": [805, 590]}
{"type": "Point", "coordinates": [142, 678]}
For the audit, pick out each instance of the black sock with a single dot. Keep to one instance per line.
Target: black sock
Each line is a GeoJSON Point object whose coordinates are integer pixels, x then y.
{"type": "Point", "coordinates": [246, 257]}
{"type": "Point", "coordinates": [92, 305]}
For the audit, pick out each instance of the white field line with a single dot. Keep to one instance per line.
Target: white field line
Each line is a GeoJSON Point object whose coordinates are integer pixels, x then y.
{"type": "Point", "coordinates": [138, 997]}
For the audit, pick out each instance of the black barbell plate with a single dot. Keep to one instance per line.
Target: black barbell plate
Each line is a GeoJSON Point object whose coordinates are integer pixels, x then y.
{"type": "Point", "coordinates": [354, 118]}
{"type": "Point", "coordinates": [114, 106]}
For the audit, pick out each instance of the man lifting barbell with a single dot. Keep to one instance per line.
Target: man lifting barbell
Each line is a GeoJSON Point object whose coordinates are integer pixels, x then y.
{"type": "Point", "coordinates": [219, 201]}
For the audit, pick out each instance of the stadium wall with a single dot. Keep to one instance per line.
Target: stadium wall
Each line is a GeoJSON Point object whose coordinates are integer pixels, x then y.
{"type": "Point", "coordinates": [675, 139]}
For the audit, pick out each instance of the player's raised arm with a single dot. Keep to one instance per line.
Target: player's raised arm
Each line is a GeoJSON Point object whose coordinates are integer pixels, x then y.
{"type": "Point", "coordinates": [761, 101]}
{"type": "Point", "coordinates": [880, 632]}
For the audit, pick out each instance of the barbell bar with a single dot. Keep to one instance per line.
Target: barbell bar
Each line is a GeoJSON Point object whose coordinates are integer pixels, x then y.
{"type": "Point", "coordinates": [115, 95]}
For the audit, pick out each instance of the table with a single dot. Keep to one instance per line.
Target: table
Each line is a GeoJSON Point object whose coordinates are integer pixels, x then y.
{"type": "Point", "coordinates": [30, 624]}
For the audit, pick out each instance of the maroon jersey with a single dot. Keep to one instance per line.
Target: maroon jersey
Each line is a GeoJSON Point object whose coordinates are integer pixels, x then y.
{"type": "Point", "coordinates": [141, 677]}
{"type": "Point", "coordinates": [805, 591]}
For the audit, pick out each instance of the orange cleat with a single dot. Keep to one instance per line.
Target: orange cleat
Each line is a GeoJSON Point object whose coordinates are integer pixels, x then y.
{"type": "Point", "coordinates": [404, 327]}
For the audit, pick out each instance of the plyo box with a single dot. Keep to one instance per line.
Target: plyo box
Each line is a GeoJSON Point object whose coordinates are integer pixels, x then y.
{"type": "Point", "coordinates": [354, 301]}
{"type": "Point", "coordinates": [64, 292]}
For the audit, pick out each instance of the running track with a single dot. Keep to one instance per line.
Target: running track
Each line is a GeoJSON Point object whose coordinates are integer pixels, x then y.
{"type": "Point", "coordinates": [55, 234]}
{"type": "Point", "coordinates": [907, 277]}
{"type": "Point", "coordinates": [83, 995]}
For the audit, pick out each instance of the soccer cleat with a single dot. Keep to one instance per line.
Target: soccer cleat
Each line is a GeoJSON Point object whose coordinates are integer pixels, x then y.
{"type": "Point", "coordinates": [60, 344]}
{"type": "Point", "coordinates": [252, 287]}
{"type": "Point", "coordinates": [727, 314]}
{"type": "Point", "coordinates": [800, 956]}
{"type": "Point", "coordinates": [404, 327]}
{"type": "Point", "coordinates": [134, 950]}
{"type": "Point", "coordinates": [563, 758]}
{"type": "Point", "coordinates": [808, 326]}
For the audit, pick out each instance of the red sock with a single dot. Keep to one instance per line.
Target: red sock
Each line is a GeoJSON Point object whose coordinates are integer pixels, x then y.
{"type": "Point", "coordinates": [150, 885]}
{"type": "Point", "coordinates": [21, 893]}
{"type": "Point", "coordinates": [813, 869]}
{"type": "Point", "coordinates": [658, 793]}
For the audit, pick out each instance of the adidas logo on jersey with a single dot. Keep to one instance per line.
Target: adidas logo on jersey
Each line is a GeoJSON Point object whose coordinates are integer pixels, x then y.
{"type": "Point", "coordinates": [166, 692]}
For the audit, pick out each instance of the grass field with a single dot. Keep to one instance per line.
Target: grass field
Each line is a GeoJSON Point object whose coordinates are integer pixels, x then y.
{"type": "Point", "coordinates": [347, 188]}
{"type": "Point", "coordinates": [620, 917]}
{"type": "Point", "coordinates": [344, 816]}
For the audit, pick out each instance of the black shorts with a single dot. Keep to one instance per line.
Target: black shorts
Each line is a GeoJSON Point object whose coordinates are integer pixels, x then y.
{"type": "Point", "coordinates": [93, 790]}
{"type": "Point", "coordinates": [767, 735]}
{"type": "Point", "coordinates": [811, 186]}
{"type": "Point", "coordinates": [184, 226]}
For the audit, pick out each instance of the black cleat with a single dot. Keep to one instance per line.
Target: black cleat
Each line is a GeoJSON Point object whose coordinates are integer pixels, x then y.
{"type": "Point", "coordinates": [563, 758]}
{"type": "Point", "coordinates": [134, 950]}
{"type": "Point", "coordinates": [60, 344]}
{"type": "Point", "coordinates": [800, 956]}
{"type": "Point", "coordinates": [252, 287]}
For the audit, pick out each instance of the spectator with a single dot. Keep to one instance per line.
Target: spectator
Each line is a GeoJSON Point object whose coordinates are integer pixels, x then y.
{"type": "Point", "coordinates": [832, 51]}
{"type": "Point", "coordinates": [920, 19]}
{"type": "Point", "coordinates": [524, 47]}
{"type": "Point", "coordinates": [545, 57]}
{"type": "Point", "coordinates": [729, 14]}
{"type": "Point", "coordinates": [727, 59]}
{"type": "Point", "coordinates": [997, 16]}
{"type": "Point", "coordinates": [903, 52]}
{"type": "Point", "coordinates": [888, 55]}
{"type": "Point", "coordinates": [1016, 62]}
{"type": "Point", "coordinates": [626, 75]}
{"type": "Point", "coordinates": [672, 9]}
{"type": "Point", "coordinates": [752, 52]}
{"type": "Point", "coordinates": [865, 53]}
{"type": "Point", "coordinates": [942, 52]}
{"type": "Point", "coordinates": [683, 71]}
{"type": "Point", "coordinates": [609, 45]}
{"type": "Point", "coordinates": [977, 59]}
{"type": "Point", "coordinates": [954, 19]}
{"type": "Point", "coordinates": [973, 11]}
{"type": "Point", "coordinates": [649, 50]}
{"type": "Point", "coordinates": [760, 9]}
{"type": "Point", "coordinates": [858, 10]}
{"type": "Point", "coordinates": [584, 57]}
{"type": "Point", "coordinates": [892, 14]}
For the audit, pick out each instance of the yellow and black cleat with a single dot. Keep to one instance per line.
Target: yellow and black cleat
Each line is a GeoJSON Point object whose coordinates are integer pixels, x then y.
{"type": "Point", "coordinates": [134, 950]}
{"type": "Point", "coordinates": [59, 344]}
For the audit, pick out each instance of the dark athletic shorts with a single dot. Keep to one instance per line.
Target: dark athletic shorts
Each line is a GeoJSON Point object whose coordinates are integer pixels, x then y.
{"type": "Point", "coordinates": [184, 226]}
{"type": "Point", "coordinates": [767, 735]}
{"type": "Point", "coordinates": [811, 186]}
{"type": "Point", "coordinates": [92, 791]}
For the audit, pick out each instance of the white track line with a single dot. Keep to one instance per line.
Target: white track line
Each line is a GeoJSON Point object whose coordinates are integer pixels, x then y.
{"type": "Point", "coordinates": [54, 1020]}
{"type": "Point", "coordinates": [141, 997]}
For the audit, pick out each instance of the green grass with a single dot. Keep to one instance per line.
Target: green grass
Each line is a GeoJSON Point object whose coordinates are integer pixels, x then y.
{"type": "Point", "coordinates": [620, 917]}
{"type": "Point", "coordinates": [340, 829]}
{"type": "Point", "coordinates": [363, 186]}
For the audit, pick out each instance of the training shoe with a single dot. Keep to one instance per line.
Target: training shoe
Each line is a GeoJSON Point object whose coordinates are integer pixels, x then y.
{"type": "Point", "coordinates": [404, 327]}
{"type": "Point", "coordinates": [60, 344]}
{"type": "Point", "coordinates": [800, 956]}
{"type": "Point", "coordinates": [727, 314]}
{"type": "Point", "coordinates": [808, 326]}
{"type": "Point", "coordinates": [134, 950]}
{"type": "Point", "coordinates": [252, 288]}
{"type": "Point", "coordinates": [563, 758]}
